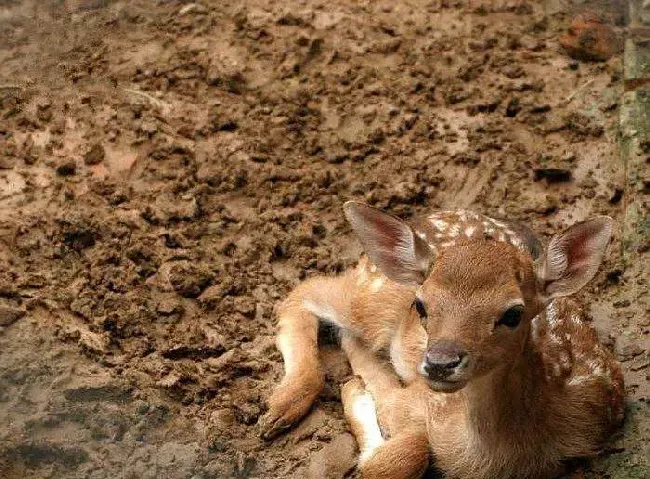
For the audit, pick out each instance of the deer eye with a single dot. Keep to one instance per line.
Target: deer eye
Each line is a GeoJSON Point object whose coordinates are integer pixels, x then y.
{"type": "Point", "coordinates": [419, 307]}
{"type": "Point", "coordinates": [512, 317]}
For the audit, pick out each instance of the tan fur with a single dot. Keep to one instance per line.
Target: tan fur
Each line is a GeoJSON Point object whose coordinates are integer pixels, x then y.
{"type": "Point", "coordinates": [534, 395]}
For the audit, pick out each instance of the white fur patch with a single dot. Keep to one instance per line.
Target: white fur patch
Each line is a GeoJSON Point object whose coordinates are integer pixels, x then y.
{"type": "Point", "coordinates": [551, 315]}
{"type": "Point", "coordinates": [439, 224]}
{"type": "Point", "coordinates": [323, 312]}
{"type": "Point", "coordinates": [365, 413]}
{"type": "Point", "coordinates": [454, 230]}
{"type": "Point", "coordinates": [470, 231]}
{"type": "Point", "coordinates": [284, 345]}
{"type": "Point", "coordinates": [376, 284]}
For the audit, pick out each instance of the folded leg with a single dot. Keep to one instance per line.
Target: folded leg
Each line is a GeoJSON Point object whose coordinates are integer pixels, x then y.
{"type": "Point", "coordinates": [403, 456]}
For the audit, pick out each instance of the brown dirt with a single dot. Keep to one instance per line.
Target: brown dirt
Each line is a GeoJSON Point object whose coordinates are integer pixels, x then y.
{"type": "Point", "coordinates": [169, 170]}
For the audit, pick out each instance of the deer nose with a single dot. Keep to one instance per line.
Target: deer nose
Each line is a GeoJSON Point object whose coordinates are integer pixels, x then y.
{"type": "Point", "coordinates": [443, 358]}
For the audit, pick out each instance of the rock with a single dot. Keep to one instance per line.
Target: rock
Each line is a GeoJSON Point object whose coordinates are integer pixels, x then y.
{"type": "Point", "coordinates": [169, 306]}
{"type": "Point", "coordinates": [188, 280]}
{"type": "Point", "coordinates": [10, 314]}
{"type": "Point", "coordinates": [307, 427]}
{"type": "Point", "coordinates": [245, 306]}
{"type": "Point", "coordinates": [626, 348]}
{"type": "Point", "coordinates": [222, 419]}
{"type": "Point", "coordinates": [95, 155]}
{"type": "Point", "coordinates": [590, 40]}
{"type": "Point", "coordinates": [335, 460]}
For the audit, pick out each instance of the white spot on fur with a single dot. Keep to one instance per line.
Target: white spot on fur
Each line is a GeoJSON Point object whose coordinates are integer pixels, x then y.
{"type": "Point", "coordinates": [421, 235]}
{"type": "Point", "coordinates": [365, 413]}
{"type": "Point", "coordinates": [535, 328]}
{"type": "Point", "coordinates": [551, 315]}
{"type": "Point", "coordinates": [439, 224]}
{"type": "Point", "coordinates": [576, 380]}
{"type": "Point", "coordinates": [362, 276]}
{"type": "Point", "coordinates": [323, 312]}
{"type": "Point", "coordinates": [454, 230]}
{"type": "Point", "coordinates": [447, 244]}
{"type": "Point", "coordinates": [373, 268]}
{"type": "Point", "coordinates": [376, 284]}
{"type": "Point", "coordinates": [470, 231]}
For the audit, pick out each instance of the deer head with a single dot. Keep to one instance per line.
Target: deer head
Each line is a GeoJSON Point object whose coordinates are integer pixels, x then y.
{"type": "Point", "coordinates": [476, 300]}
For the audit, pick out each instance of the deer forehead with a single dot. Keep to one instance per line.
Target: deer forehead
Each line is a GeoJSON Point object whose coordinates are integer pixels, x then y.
{"type": "Point", "coordinates": [481, 266]}
{"type": "Point", "coordinates": [444, 229]}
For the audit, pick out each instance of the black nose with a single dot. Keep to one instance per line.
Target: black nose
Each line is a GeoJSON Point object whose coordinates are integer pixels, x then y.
{"type": "Point", "coordinates": [441, 359]}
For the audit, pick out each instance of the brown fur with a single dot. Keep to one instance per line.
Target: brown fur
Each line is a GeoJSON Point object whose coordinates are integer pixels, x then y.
{"type": "Point", "coordinates": [530, 396]}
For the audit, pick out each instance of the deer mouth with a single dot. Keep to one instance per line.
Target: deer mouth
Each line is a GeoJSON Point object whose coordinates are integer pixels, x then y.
{"type": "Point", "coordinates": [446, 386]}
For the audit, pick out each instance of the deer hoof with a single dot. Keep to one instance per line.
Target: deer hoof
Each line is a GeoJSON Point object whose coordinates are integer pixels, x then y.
{"type": "Point", "coordinates": [287, 405]}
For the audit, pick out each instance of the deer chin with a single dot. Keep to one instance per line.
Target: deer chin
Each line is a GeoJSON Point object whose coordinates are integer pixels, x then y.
{"type": "Point", "coordinates": [442, 386]}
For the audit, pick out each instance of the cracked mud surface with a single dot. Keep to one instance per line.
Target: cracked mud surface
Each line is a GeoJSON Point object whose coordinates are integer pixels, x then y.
{"type": "Point", "coordinates": [170, 170]}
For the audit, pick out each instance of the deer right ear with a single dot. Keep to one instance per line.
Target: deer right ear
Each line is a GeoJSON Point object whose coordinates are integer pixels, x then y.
{"type": "Point", "coordinates": [390, 243]}
{"type": "Point", "coordinates": [573, 257]}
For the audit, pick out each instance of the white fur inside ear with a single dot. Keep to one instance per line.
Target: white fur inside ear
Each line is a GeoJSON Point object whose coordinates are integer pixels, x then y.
{"type": "Point", "coordinates": [573, 257]}
{"type": "Point", "coordinates": [390, 243]}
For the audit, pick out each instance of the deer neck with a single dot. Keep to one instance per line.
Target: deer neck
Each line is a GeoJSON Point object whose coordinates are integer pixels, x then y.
{"type": "Point", "coordinates": [509, 403]}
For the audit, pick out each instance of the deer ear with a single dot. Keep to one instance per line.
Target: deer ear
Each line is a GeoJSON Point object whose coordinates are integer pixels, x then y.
{"type": "Point", "coordinates": [573, 257]}
{"type": "Point", "coordinates": [390, 243]}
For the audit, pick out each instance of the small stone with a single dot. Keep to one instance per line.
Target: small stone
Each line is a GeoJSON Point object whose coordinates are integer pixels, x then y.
{"type": "Point", "coordinates": [169, 306]}
{"type": "Point", "coordinates": [245, 306]}
{"type": "Point", "coordinates": [222, 419]}
{"type": "Point", "coordinates": [95, 155]}
{"type": "Point", "coordinates": [335, 460]}
{"type": "Point", "coordinates": [627, 348]}
{"type": "Point", "coordinates": [67, 168]}
{"type": "Point", "coordinates": [590, 40]}
{"type": "Point", "coordinates": [10, 314]}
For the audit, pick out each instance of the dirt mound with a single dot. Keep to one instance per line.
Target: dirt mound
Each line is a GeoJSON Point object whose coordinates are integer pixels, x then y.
{"type": "Point", "coordinates": [169, 170]}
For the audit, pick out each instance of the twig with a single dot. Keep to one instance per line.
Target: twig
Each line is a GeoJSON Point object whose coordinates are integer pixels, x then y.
{"type": "Point", "coordinates": [568, 99]}
{"type": "Point", "coordinates": [164, 106]}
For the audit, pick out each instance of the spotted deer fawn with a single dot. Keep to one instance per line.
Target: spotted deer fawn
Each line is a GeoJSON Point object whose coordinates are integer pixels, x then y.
{"type": "Point", "coordinates": [467, 354]}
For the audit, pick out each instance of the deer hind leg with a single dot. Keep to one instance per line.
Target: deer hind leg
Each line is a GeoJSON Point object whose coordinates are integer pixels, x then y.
{"type": "Point", "coordinates": [380, 380]}
{"type": "Point", "coordinates": [324, 299]}
{"type": "Point", "coordinates": [404, 456]}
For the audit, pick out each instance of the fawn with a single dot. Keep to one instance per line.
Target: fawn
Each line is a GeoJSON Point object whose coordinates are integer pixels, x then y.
{"type": "Point", "coordinates": [467, 351]}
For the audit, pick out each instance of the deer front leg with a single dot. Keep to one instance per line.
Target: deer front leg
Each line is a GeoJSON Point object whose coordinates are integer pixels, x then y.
{"type": "Point", "coordinates": [380, 381]}
{"type": "Point", "coordinates": [404, 456]}
{"type": "Point", "coordinates": [297, 340]}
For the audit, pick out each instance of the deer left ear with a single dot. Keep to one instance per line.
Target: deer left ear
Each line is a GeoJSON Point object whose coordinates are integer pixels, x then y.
{"type": "Point", "coordinates": [573, 257]}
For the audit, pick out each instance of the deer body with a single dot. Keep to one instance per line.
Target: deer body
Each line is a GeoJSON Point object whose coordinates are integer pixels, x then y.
{"type": "Point", "coordinates": [500, 376]}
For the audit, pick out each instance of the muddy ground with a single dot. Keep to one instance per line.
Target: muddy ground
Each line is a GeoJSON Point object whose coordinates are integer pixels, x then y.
{"type": "Point", "coordinates": [169, 170]}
